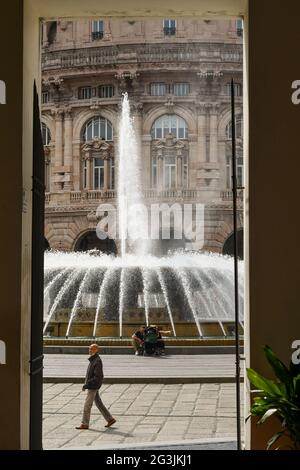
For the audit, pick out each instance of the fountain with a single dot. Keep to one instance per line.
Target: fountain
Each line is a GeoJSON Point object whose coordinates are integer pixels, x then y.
{"type": "Point", "coordinates": [92, 293]}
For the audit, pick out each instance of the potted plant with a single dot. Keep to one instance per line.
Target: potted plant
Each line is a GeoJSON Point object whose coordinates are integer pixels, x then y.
{"type": "Point", "coordinates": [280, 398]}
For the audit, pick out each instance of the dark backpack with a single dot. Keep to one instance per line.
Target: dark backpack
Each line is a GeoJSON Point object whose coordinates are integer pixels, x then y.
{"type": "Point", "coordinates": [151, 335]}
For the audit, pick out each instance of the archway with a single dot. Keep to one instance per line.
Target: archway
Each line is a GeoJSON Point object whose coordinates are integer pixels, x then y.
{"type": "Point", "coordinates": [228, 247]}
{"type": "Point", "coordinates": [90, 241]}
{"type": "Point", "coordinates": [165, 246]}
{"type": "Point", "coordinates": [46, 244]}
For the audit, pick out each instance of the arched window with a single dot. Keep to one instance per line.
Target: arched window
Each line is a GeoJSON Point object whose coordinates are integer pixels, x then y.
{"type": "Point", "coordinates": [238, 128]}
{"type": "Point", "coordinates": [169, 124]}
{"type": "Point", "coordinates": [98, 127]}
{"type": "Point", "coordinates": [239, 168]}
{"type": "Point", "coordinates": [46, 135]}
{"type": "Point", "coordinates": [172, 171]}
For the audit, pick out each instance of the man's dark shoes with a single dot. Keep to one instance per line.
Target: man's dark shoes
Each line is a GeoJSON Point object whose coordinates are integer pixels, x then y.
{"type": "Point", "coordinates": [82, 426]}
{"type": "Point", "coordinates": [110, 423]}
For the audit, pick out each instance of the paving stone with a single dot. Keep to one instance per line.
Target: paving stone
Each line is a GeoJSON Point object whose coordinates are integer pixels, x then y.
{"type": "Point", "coordinates": [144, 413]}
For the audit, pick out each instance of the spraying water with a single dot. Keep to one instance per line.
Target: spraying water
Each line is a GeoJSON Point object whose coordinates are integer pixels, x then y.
{"type": "Point", "coordinates": [132, 219]}
{"type": "Point", "coordinates": [190, 287]}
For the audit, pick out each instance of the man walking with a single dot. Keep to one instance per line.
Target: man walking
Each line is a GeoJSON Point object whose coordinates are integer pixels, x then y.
{"type": "Point", "coordinates": [93, 381]}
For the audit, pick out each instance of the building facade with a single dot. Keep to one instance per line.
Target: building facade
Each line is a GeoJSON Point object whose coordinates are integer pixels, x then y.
{"type": "Point", "coordinates": [177, 74]}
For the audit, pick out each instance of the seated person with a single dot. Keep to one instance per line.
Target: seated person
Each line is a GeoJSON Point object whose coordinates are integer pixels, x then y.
{"type": "Point", "coordinates": [160, 341]}
{"type": "Point", "coordinates": [138, 339]}
{"type": "Point", "coordinates": [153, 339]}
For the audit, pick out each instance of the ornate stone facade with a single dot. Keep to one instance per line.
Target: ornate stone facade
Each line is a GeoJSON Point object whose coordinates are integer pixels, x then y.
{"type": "Point", "coordinates": [178, 81]}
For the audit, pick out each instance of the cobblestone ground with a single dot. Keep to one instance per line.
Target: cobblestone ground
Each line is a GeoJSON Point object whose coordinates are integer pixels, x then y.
{"type": "Point", "coordinates": [144, 413]}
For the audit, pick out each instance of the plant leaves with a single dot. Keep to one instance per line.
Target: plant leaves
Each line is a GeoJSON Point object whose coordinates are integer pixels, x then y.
{"type": "Point", "coordinates": [274, 439]}
{"type": "Point", "coordinates": [267, 415]}
{"type": "Point", "coordinates": [279, 368]}
{"type": "Point", "coordinates": [268, 386]}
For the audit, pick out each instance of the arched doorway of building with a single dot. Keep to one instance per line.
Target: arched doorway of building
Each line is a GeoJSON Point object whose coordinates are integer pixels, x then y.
{"type": "Point", "coordinates": [90, 241]}
{"type": "Point", "coordinates": [167, 243]}
{"type": "Point", "coordinates": [228, 247]}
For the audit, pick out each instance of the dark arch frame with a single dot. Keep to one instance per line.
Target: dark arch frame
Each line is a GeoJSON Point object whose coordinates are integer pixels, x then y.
{"type": "Point", "coordinates": [228, 247]}
{"type": "Point", "coordinates": [89, 241]}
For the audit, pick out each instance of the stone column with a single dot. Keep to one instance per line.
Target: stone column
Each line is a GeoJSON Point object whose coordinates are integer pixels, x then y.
{"type": "Point", "coordinates": [106, 173]}
{"type": "Point", "coordinates": [160, 172]}
{"type": "Point", "coordinates": [68, 150]}
{"type": "Point", "coordinates": [179, 171]}
{"type": "Point", "coordinates": [58, 158]}
{"type": "Point", "coordinates": [77, 167]}
{"type": "Point", "coordinates": [146, 161]}
{"type": "Point", "coordinates": [88, 172]}
{"type": "Point", "coordinates": [202, 120]}
{"type": "Point", "coordinates": [213, 134]}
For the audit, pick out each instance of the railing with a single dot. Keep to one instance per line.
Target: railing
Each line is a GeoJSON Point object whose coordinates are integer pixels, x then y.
{"type": "Point", "coordinates": [170, 30]}
{"type": "Point", "coordinates": [227, 195]}
{"type": "Point", "coordinates": [97, 35]}
{"type": "Point", "coordinates": [149, 194]}
{"type": "Point", "coordinates": [94, 195]}
{"type": "Point", "coordinates": [92, 56]}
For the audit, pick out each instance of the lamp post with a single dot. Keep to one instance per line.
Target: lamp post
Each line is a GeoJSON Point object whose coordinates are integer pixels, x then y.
{"type": "Point", "coordinates": [236, 270]}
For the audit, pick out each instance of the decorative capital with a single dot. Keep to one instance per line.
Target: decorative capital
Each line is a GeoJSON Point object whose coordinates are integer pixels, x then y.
{"type": "Point", "coordinates": [58, 113]}
{"type": "Point", "coordinates": [95, 105]}
{"type": "Point", "coordinates": [169, 105]}
{"type": "Point", "coordinates": [209, 74]}
{"type": "Point", "coordinates": [126, 74]}
{"type": "Point", "coordinates": [55, 82]}
{"type": "Point", "coordinates": [104, 148]}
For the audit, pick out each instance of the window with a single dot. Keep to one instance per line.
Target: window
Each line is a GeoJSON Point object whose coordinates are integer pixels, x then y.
{"type": "Point", "coordinates": [46, 135]}
{"type": "Point", "coordinates": [84, 92]}
{"type": "Point", "coordinates": [45, 97]}
{"type": "Point", "coordinates": [52, 31]}
{"type": "Point", "coordinates": [169, 124]}
{"type": "Point", "coordinates": [158, 89]}
{"type": "Point", "coordinates": [154, 172]}
{"type": "Point", "coordinates": [185, 172]}
{"type": "Point", "coordinates": [239, 27]}
{"type": "Point", "coordinates": [170, 172]}
{"type": "Point", "coordinates": [239, 169]}
{"type": "Point", "coordinates": [181, 89]}
{"type": "Point", "coordinates": [98, 127]}
{"type": "Point", "coordinates": [98, 173]}
{"type": "Point", "coordinates": [97, 29]}
{"type": "Point", "coordinates": [106, 91]}
{"type": "Point", "coordinates": [237, 89]}
{"type": "Point", "coordinates": [170, 27]}
{"type": "Point", "coordinates": [238, 128]}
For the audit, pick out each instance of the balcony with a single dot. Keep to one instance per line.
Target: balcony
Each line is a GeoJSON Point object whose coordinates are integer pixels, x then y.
{"type": "Point", "coordinates": [228, 196]}
{"type": "Point", "coordinates": [84, 197]}
{"type": "Point", "coordinates": [169, 30]}
{"type": "Point", "coordinates": [97, 35]}
{"type": "Point", "coordinates": [137, 54]}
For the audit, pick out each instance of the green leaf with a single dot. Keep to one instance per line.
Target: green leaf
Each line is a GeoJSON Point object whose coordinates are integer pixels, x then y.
{"type": "Point", "coordinates": [268, 386]}
{"type": "Point", "coordinates": [274, 439]}
{"type": "Point", "coordinates": [279, 368]}
{"type": "Point", "coordinates": [267, 415]}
